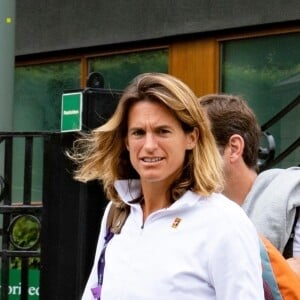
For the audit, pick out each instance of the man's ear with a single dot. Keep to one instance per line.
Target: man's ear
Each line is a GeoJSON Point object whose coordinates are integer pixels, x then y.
{"type": "Point", "coordinates": [236, 145]}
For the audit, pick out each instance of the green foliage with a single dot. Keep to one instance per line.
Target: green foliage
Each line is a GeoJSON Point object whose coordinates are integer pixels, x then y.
{"type": "Point", "coordinates": [24, 235]}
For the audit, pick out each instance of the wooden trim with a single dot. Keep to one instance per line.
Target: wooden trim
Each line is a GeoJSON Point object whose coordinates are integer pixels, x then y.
{"type": "Point", "coordinates": [51, 60]}
{"type": "Point", "coordinates": [126, 51]}
{"type": "Point", "coordinates": [88, 54]}
{"type": "Point", "coordinates": [83, 72]}
{"type": "Point", "coordinates": [258, 33]}
{"type": "Point", "coordinates": [196, 62]}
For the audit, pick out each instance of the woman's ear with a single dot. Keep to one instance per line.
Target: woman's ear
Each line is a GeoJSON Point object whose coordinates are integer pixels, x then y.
{"type": "Point", "coordinates": [126, 143]}
{"type": "Point", "coordinates": [236, 146]}
{"type": "Point", "coordinates": [192, 138]}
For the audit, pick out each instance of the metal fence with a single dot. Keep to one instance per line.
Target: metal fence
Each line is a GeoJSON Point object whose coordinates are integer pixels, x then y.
{"type": "Point", "coordinates": [21, 219]}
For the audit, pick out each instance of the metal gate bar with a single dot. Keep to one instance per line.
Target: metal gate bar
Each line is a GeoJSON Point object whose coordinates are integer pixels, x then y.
{"type": "Point", "coordinates": [9, 209]}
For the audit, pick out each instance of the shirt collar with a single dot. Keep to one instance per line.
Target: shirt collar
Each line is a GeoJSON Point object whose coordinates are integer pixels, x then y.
{"type": "Point", "coordinates": [130, 190]}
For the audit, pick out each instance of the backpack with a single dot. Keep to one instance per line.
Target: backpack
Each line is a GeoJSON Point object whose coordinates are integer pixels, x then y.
{"type": "Point", "coordinates": [288, 249]}
{"type": "Point", "coordinates": [279, 280]}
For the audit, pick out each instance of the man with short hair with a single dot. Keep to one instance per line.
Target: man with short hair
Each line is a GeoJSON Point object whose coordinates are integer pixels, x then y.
{"type": "Point", "coordinates": [270, 198]}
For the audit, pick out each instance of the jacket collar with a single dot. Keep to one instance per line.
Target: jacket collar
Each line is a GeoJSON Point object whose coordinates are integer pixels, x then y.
{"type": "Point", "coordinates": [130, 190]}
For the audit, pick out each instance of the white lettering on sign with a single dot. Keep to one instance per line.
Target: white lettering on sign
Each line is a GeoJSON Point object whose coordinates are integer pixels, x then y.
{"type": "Point", "coordinates": [16, 290]}
{"type": "Point", "coordinates": [71, 112]}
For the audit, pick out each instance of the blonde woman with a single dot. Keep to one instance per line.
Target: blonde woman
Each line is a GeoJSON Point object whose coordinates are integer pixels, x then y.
{"type": "Point", "coordinates": [182, 239]}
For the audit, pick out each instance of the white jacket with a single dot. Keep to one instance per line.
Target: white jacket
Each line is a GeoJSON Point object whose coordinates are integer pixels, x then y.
{"type": "Point", "coordinates": [213, 253]}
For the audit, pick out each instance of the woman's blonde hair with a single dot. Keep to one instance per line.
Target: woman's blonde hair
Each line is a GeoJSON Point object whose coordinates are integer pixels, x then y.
{"type": "Point", "coordinates": [102, 154]}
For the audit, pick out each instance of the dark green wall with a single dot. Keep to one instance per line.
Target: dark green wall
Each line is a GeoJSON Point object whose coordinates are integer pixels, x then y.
{"type": "Point", "coordinates": [54, 25]}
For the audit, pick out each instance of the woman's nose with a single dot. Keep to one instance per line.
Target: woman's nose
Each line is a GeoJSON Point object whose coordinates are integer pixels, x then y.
{"type": "Point", "coordinates": [150, 141]}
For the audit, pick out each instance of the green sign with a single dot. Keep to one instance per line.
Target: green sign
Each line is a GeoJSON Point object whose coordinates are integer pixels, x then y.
{"type": "Point", "coordinates": [71, 112]}
{"type": "Point", "coordinates": [14, 288]}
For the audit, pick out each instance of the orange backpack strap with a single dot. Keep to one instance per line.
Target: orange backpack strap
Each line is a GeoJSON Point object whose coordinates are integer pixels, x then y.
{"type": "Point", "coordinates": [277, 274]}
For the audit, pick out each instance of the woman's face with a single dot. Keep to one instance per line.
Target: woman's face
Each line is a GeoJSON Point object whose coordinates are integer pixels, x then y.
{"type": "Point", "coordinates": [156, 142]}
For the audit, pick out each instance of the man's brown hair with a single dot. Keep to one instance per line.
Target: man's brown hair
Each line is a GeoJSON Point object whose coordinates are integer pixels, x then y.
{"type": "Point", "coordinates": [229, 115]}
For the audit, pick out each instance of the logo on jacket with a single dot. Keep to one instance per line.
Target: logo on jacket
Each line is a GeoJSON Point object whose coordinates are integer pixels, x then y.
{"type": "Point", "coordinates": [176, 222]}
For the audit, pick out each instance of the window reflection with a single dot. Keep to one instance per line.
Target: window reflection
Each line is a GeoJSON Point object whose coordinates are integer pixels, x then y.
{"type": "Point", "coordinates": [266, 71]}
{"type": "Point", "coordinates": [38, 91]}
{"type": "Point", "coordinates": [119, 70]}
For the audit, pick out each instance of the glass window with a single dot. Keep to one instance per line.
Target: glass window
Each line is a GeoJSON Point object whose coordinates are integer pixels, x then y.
{"type": "Point", "coordinates": [119, 70]}
{"type": "Point", "coordinates": [37, 106]}
{"type": "Point", "coordinates": [266, 71]}
{"type": "Point", "coordinates": [38, 92]}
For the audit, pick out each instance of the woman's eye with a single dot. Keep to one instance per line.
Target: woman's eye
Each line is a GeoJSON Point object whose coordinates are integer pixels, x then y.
{"type": "Point", "coordinates": [164, 131]}
{"type": "Point", "coordinates": [137, 132]}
